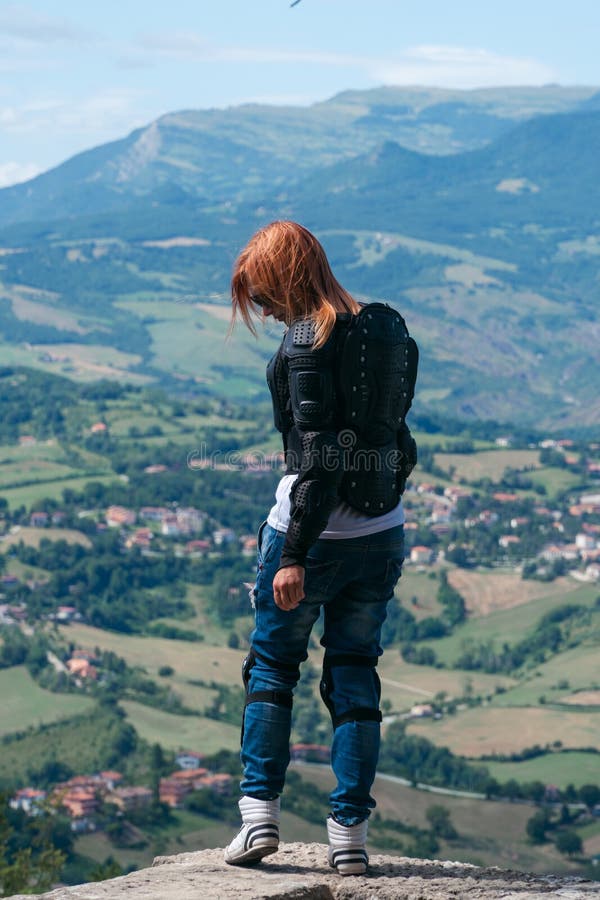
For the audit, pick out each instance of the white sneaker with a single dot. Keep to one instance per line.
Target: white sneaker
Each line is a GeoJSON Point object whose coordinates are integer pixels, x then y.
{"type": "Point", "coordinates": [259, 834]}
{"type": "Point", "coordinates": [347, 850]}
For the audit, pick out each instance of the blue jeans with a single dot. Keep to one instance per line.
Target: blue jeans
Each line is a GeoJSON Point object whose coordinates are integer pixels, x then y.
{"type": "Point", "coordinates": [352, 580]}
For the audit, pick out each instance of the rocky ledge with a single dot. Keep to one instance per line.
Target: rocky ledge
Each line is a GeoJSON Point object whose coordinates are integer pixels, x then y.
{"type": "Point", "coordinates": [300, 872]}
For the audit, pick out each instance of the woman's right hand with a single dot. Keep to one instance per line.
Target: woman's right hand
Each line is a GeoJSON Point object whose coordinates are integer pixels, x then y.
{"type": "Point", "coordinates": [288, 587]}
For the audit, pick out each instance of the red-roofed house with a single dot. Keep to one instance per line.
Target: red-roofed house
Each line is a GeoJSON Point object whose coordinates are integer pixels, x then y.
{"type": "Point", "coordinates": [80, 802]}
{"type": "Point", "coordinates": [421, 554]}
{"type": "Point", "coordinates": [119, 515]}
{"type": "Point", "coordinates": [131, 798]}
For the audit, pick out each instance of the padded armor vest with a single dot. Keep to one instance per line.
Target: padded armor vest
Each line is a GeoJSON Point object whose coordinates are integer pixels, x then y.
{"type": "Point", "coordinates": [360, 385]}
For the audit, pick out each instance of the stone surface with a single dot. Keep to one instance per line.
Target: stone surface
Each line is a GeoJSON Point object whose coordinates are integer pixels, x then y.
{"type": "Point", "coordinates": [300, 872]}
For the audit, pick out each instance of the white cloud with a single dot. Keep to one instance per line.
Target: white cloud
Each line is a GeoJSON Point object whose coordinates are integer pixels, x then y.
{"type": "Point", "coordinates": [114, 111]}
{"type": "Point", "coordinates": [14, 172]}
{"type": "Point", "coordinates": [22, 22]}
{"type": "Point", "coordinates": [444, 66]}
{"type": "Point", "coordinates": [189, 46]}
{"type": "Point", "coordinates": [461, 67]}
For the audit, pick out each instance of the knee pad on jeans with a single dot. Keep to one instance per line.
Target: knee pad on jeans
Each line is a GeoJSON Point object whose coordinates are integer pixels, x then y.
{"type": "Point", "coordinates": [356, 713]}
{"type": "Point", "coordinates": [278, 698]}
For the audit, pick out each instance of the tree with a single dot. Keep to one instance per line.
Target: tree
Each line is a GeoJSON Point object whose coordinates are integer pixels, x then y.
{"type": "Point", "coordinates": [537, 825]}
{"type": "Point", "coordinates": [569, 843]}
{"type": "Point", "coordinates": [34, 867]}
{"type": "Point", "coordinates": [110, 868]}
{"type": "Point", "coordinates": [441, 825]}
{"type": "Point", "coordinates": [590, 795]}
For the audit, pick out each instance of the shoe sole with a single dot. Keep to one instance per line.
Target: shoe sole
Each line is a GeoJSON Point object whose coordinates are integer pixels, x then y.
{"type": "Point", "coordinates": [354, 863]}
{"type": "Point", "coordinates": [251, 857]}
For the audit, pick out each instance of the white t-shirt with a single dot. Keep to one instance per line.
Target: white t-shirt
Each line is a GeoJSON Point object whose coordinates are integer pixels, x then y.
{"type": "Point", "coordinates": [344, 522]}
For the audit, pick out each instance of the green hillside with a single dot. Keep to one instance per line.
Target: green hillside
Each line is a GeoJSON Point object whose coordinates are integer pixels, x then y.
{"type": "Point", "coordinates": [489, 250]}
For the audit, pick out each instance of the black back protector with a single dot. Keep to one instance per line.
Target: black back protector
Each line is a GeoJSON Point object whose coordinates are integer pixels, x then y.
{"type": "Point", "coordinates": [360, 384]}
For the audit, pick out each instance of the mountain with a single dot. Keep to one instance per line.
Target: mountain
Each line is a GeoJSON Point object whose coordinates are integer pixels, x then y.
{"type": "Point", "coordinates": [238, 153]}
{"type": "Point", "coordinates": [116, 262]}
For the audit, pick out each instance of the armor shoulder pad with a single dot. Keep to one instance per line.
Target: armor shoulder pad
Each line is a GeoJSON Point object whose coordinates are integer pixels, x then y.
{"type": "Point", "coordinates": [311, 377]}
{"type": "Point", "coordinates": [299, 338]}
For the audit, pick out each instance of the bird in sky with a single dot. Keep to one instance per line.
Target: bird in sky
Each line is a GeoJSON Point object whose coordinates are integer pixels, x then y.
{"type": "Point", "coordinates": [295, 3]}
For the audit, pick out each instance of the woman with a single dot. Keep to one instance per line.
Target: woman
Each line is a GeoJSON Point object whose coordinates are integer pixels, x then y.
{"type": "Point", "coordinates": [341, 383]}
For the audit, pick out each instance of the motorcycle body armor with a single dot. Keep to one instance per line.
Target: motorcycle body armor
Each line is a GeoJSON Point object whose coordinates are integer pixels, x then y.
{"type": "Point", "coordinates": [358, 385]}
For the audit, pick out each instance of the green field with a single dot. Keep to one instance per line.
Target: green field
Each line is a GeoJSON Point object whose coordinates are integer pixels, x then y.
{"type": "Point", "coordinates": [82, 362]}
{"type": "Point", "coordinates": [32, 493]}
{"type": "Point", "coordinates": [486, 463]}
{"type": "Point", "coordinates": [191, 661]}
{"type": "Point", "coordinates": [487, 730]}
{"type": "Point", "coordinates": [555, 680]}
{"type": "Point", "coordinates": [33, 471]}
{"type": "Point", "coordinates": [181, 732]}
{"type": "Point", "coordinates": [419, 585]}
{"type": "Point", "coordinates": [560, 769]}
{"type": "Point", "coordinates": [31, 537]}
{"type": "Point", "coordinates": [556, 481]}
{"type": "Point", "coordinates": [405, 684]}
{"type": "Point", "coordinates": [184, 333]}
{"type": "Point", "coordinates": [24, 704]}
{"type": "Point", "coordinates": [507, 625]}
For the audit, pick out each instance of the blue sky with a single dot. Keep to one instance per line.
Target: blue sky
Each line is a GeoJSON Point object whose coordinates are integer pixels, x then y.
{"type": "Point", "coordinates": [74, 75]}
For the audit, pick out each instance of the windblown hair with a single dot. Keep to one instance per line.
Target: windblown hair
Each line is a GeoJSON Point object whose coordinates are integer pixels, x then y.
{"type": "Point", "coordinates": [285, 266]}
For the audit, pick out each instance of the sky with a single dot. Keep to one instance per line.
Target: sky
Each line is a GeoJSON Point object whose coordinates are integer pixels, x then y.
{"type": "Point", "coordinates": [74, 75]}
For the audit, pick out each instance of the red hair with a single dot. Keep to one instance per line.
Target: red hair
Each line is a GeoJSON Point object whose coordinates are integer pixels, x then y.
{"type": "Point", "coordinates": [285, 266]}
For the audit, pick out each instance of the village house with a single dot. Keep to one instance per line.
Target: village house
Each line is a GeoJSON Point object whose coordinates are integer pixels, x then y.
{"type": "Point", "coordinates": [38, 519]}
{"type": "Point", "coordinates": [82, 669]}
{"type": "Point", "coordinates": [190, 776]}
{"type": "Point", "coordinates": [8, 580]}
{"type": "Point", "coordinates": [441, 514]}
{"type": "Point", "coordinates": [169, 526]}
{"type": "Point", "coordinates": [504, 497]}
{"type": "Point", "coordinates": [27, 440]}
{"type": "Point", "coordinates": [508, 540]}
{"type": "Point", "coordinates": [67, 614]}
{"type": "Point", "coordinates": [248, 546]}
{"type": "Point", "coordinates": [141, 537]}
{"type": "Point", "coordinates": [519, 521]}
{"type": "Point", "coordinates": [173, 792]}
{"type": "Point", "coordinates": [318, 753]}
{"type": "Point", "coordinates": [592, 572]}
{"type": "Point", "coordinates": [190, 520]}
{"type": "Point", "coordinates": [155, 469]}
{"type": "Point", "coordinates": [223, 536]}
{"type": "Point", "coordinates": [129, 799]}
{"type": "Point", "coordinates": [174, 789]}
{"type": "Point", "coordinates": [221, 783]}
{"type": "Point", "coordinates": [80, 802]}
{"type": "Point", "coordinates": [153, 513]}
{"type": "Point", "coordinates": [189, 759]}
{"type": "Point", "coordinates": [110, 779]}
{"type": "Point", "coordinates": [17, 613]}
{"type": "Point", "coordinates": [421, 710]}
{"type": "Point", "coordinates": [197, 546]}
{"type": "Point", "coordinates": [454, 493]}
{"type": "Point", "coordinates": [117, 516]}
{"type": "Point", "coordinates": [99, 428]}
{"type": "Point", "coordinates": [421, 555]}
{"type": "Point", "coordinates": [29, 800]}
